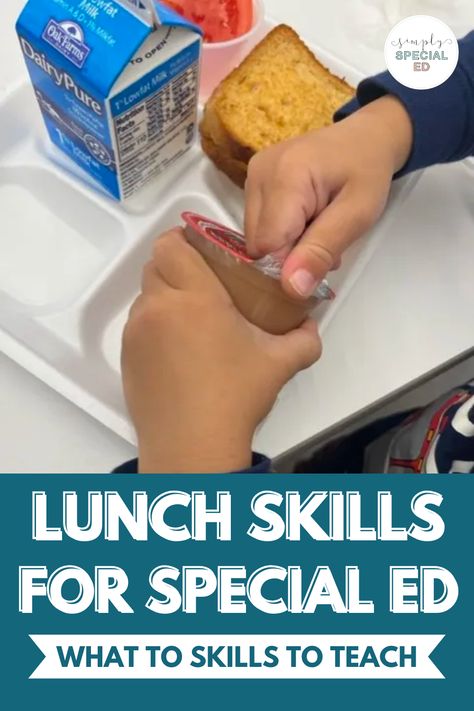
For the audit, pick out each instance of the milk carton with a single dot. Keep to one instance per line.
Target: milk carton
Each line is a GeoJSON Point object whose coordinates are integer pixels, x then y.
{"type": "Point", "coordinates": [117, 83]}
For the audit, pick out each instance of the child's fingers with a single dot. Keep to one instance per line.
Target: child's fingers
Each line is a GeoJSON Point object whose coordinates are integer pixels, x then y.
{"type": "Point", "coordinates": [135, 307]}
{"type": "Point", "coordinates": [280, 201]}
{"type": "Point", "coordinates": [337, 264]}
{"type": "Point", "coordinates": [333, 231]}
{"type": "Point", "coordinates": [300, 348]}
{"type": "Point", "coordinates": [283, 216]}
{"type": "Point", "coordinates": [152, 282]}
{"type": "Point", "coordinates": [253, 205]}
{"type": "Point", "coordinates": [180, 265]}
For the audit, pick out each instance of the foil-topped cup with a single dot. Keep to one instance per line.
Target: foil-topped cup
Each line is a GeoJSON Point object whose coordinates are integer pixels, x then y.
{"type": "Point", "coordinates": [253, 284]}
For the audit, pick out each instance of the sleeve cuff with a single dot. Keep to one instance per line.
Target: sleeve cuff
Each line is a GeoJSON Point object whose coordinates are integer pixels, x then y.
{"type": "Point", "coordinates": [443, 117]}
{"type": "Point", "coordinates": [260, 465]}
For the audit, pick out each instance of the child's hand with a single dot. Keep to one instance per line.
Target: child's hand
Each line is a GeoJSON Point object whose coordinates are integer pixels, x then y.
{"type": "Point", "coordinates": [199, 378]}
{"type": "Point", "coordinates": [327, 188]}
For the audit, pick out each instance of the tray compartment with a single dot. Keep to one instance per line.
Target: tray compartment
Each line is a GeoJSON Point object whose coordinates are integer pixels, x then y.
{"type": "Point", "coordinates": [55, 241]}
{"type": "Point", "coordinates": [20, 120]}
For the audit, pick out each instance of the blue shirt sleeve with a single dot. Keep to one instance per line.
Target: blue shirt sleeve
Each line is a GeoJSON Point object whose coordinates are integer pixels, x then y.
{"type": "Point", "coordinates": [443, 118]}
{"type": "Point", "coordinates": [260, 465]}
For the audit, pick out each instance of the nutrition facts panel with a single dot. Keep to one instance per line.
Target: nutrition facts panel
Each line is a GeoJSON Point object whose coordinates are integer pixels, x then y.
{"type": "Point", "coordinates": [146, 131]}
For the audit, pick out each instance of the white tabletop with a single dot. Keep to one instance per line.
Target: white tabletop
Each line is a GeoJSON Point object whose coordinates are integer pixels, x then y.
{"type": "Point", "coordinates": [410, 313]}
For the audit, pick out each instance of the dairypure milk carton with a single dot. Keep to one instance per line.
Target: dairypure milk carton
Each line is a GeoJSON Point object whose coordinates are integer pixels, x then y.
{"type": "Point", "coordinates": [117, 84]}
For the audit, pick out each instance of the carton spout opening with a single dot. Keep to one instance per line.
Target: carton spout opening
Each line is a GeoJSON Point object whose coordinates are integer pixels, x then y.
{"type": "Point", "coordinates": [142, 8]}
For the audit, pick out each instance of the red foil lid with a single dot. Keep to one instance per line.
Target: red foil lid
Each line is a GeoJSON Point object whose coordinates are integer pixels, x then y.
{"type": "Point", "coordinates": [233, 243]}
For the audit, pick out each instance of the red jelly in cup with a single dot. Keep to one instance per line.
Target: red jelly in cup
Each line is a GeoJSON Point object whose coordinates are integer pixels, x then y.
{"type": "Point", "coordinates": [232, 29]}
{"type": "Point", "coordinates": [221, 20]}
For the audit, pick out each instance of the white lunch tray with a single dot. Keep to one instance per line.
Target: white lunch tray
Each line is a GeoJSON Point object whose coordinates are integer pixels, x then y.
{"type": "Point", "coordinates": [71, 258]}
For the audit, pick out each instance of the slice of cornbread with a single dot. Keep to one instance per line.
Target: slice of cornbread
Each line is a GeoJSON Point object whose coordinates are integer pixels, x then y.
{"type": "Point", "coordinates": [279, 91]}
{"type": "Point", "coordinates": [235, 169]}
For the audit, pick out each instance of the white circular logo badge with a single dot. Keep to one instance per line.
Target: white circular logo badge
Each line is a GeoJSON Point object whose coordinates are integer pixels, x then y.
{"type": "Point", "coordinates": [421, 52]}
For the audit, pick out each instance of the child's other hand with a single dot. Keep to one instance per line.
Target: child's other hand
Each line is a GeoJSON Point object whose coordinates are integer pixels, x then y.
{"type": "Point", "coordinates": [198, 378]}
{"type": "Point", "coordinates": [327, 188]}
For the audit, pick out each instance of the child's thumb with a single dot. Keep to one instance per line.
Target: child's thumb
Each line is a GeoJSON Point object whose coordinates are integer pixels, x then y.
{"type": "Point", "coordinates": [325, 240]}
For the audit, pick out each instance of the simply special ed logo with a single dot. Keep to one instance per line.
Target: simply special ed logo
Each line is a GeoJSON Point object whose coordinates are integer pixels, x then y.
{"type": "Point", "coordinates": [421, 52]}
{"type": "Point", "coordinates": [68, 38]}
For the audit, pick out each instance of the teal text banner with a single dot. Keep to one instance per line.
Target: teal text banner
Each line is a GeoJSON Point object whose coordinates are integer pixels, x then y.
{"type": "Point", "coordinates": [202, 591]}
